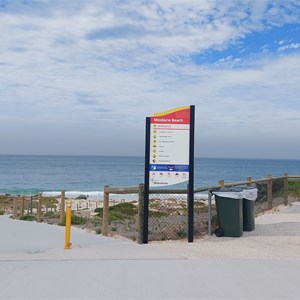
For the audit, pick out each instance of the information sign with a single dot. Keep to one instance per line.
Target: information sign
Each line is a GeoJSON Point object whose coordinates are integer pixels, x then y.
{"type": "Point", "coordinates": [169, 147]}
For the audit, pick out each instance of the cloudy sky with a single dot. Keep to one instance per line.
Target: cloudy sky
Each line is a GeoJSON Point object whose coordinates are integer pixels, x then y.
{"type": "Point", "coordinates": [79, 77]}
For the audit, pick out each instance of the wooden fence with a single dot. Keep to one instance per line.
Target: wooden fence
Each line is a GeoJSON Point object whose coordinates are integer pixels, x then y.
{"type": "Point", "coordinates": [221, 183]}
{"type": "Point", "coordinates": [21, 204]}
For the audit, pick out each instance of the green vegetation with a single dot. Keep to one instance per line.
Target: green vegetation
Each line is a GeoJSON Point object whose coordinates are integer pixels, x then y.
{"type": "Point", "coordinates": [200, 207]}
{"type": "Point", "coordinates": [99, 210]}
{"type": "Point", "coordinates": [27, 218]}
{"type": "Point", "coordinates": [294, 188]}
{"type": "Point", "coordinates": [75, 220]}
{"type": "Point", "coordinates": [52, 215]}
{"type": "Point", "coordinates": [49, 202]}
{"type": "Point", "coordinates": [119, 211]}
{"type": "Point", "coordinates": [181, 233]}
{"type": "Point", "coordinates": [278, 187]}
{"type": "Point", "coordinates": [214, 220]}
{"type": "Point", "coordinates": [154, 205]}
{"type": "Point", "coordinates": [157, 214]}
{"type": "Point", "coordinates": [84, 197]}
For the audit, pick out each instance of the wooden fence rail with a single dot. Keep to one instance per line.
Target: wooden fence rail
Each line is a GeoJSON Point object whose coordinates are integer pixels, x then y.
{"type": "Point", "coordinates": [221, 183]}
{"type": "Point", "coordinates": [20, 204]}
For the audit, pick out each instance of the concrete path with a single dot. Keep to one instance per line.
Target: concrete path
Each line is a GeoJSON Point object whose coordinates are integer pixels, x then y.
{"type": "Point", "coordinates": [34, 265]}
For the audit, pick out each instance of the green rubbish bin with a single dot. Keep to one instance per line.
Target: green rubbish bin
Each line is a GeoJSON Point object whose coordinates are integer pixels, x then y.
{"type": "Point", "coordinates": [229, 204]}
{"type": "Point", "coordinates": [249, 197]}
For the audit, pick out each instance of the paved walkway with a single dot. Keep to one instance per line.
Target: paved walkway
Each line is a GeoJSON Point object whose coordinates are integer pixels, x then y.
{"type": "Point", "coordinates": [34, 265]}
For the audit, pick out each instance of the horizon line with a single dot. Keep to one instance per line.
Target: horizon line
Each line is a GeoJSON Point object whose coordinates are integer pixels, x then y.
{"type": "Point", "coordinates": [141, 156]}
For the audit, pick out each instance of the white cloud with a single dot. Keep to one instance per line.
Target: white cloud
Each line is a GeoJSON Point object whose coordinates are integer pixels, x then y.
{"type": "Point", "coordinates": [290, 46]}
{"type": "Point", "coordinates": [94, 64]}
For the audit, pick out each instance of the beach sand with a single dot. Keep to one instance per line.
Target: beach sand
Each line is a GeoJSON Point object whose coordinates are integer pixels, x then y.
{"type": "Point", "coordinates": [276, 235]}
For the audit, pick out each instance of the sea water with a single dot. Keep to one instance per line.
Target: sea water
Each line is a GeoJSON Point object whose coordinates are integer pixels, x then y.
{"type": "Point", "coordinates": [31, 174]}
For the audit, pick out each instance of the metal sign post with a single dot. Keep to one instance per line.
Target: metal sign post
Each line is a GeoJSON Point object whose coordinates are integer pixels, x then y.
{"type": "Point", "coordinates": [169, 156]}
{"type": "Point", "coordinates": [146, 182]}
{"type": "Point", "coordinates": [191, 177]}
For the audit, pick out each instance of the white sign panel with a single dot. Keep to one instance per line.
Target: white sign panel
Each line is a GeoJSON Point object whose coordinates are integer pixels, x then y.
{"type": "Point", "coordinates": [169, 147]}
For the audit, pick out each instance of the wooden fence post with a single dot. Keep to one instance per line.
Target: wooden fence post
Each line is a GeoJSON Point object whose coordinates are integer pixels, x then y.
{"type": "Point", "coordinates": [15, 208]}
{"type": "Point", "coordinates": [29, 206]}
{"type": "Point", "coordinates": [221, 183]}
{"type": "Point", "coordinates": [105, 220]}
{"type": "Point", "coordinates": [249, 179]}
{"type": "Point", "coordinates": [22, 206]}
{"type": "Point", "coordinates": [140, 213]}
{"type": "Point", "coordinates": [31, 199]}
{"type": "Point", "coordinates": [39, 208]}
{"type": "Point", "coordinates": [62, 207]}
{"type": "Point", "coordinates": [269, 194]}
{"type": "Point", "coordinates": [286, 188]}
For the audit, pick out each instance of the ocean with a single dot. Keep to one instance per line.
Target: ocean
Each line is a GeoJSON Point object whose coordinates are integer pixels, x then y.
{"type": "Point", "coordinates": [31, 174]}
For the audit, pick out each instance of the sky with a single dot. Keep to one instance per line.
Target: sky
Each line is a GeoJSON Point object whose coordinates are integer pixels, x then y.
{"type": "Point", "coordinates": [80, 77]}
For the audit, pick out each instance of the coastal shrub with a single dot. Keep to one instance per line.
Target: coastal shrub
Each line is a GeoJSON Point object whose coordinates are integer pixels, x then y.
{"type": "Point", "coordinates": [52, 214]}
{"type": "Point", "coordinates": [98, 231]}
{"type": "Point", "coordinates": [200, 207]}
{"type": "Point", "coordinates": [99, 210]}
{"type": "Point", "coordinates": [2, 212]}
{"type": "Point", "coordinates": [84, 197]}
{"type": "Point", "coordinates": [119, 211]}
{"type": "Point", "coordinates": [154, 205]}
{"type": "Point", "coordinates": [278, 187]}
{"type": "Point", "coordinates": [214, 221]}
{"type": "Point", "coordinates": [78, 220]}
{"type": "Point", "coordinates": [96, 221]}
{"type": "Point", "coordinates": [49, 202]}
{"type": "Point", "coordinates": [27, 218]}
{"type": "Point", "coordinates": [163, 237]}
{"type": "Point", "coordinates": [126, 208]}
{"type": "Point", "coordinates": [157, 214]}
{"type": "Point", "coordinates": [294, 187]}
{"type": "Point", "coordinates": [262, 191]}
{"type": "Point", "coordinates": [75, 220]}
{"type": "Point", "coordinates": [181, 233]}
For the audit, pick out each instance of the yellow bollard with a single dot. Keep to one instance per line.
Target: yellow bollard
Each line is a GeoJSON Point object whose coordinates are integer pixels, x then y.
{"type": "Point", "coordinates": [68, 244]}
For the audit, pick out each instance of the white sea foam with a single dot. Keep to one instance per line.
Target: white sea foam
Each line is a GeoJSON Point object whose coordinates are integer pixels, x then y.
{"type": "Point", "coordinates": [201, 196]}
{"type": "Point", "coordinates": [98, 195]}
{"type": "Point", "coordinates": [91, 195]}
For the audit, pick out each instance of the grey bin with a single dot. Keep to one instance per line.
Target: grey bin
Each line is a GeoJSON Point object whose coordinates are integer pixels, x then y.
{"type": "Point", "coordinates": [235, 209]}
{"type": "Point", "coordinates": [229, 204]}
{"type": "Point", "coordinates": [249, 197]}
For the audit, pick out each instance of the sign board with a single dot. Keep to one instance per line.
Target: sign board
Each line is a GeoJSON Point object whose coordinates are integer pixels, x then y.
{"type": "Point", "coordinates": [169, 147]}
{"type": "Point", "coordinates": [169, 157]}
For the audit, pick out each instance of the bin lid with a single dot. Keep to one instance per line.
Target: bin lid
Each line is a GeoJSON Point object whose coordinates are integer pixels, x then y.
{"type": "Point", "coordinates": [248, 193]}
{"type": "Point", "coordinates": [233, 193]}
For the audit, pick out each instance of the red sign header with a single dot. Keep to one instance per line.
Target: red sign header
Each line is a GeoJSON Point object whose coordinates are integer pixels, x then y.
{"type": "Point", "coordinates": [180, 115]}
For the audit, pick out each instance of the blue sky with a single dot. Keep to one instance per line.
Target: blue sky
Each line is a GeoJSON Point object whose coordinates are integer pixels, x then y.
{"type": "Point", "coordinates": [79, 77]}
